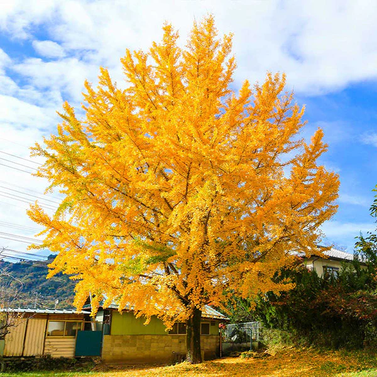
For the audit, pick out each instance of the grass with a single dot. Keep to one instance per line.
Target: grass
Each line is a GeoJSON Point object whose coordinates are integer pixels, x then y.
{"type": "Point", "coordinates": [288, 363]}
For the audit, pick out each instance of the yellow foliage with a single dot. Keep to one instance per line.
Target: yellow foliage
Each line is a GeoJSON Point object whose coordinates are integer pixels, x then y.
{"type": "Point", "coordinates": [178, 191]}
{"type": "Point", "coordinates": [288, 363]}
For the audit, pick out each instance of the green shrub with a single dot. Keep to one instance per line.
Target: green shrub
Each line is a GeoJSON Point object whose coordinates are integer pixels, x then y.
{"type": "Point", "coordinates": [29, 364]}
{"type": "Point", "coordinates": [329, 311]}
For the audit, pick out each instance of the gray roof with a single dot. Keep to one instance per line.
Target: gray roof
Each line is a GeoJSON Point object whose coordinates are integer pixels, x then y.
{"type": "Point", "coordinates": [208, 312]}
{"type": "Point", "coordinates": [338, 254]}
{"type": "Point", "coordinates": [42, 311]}
{"type": "Point", "coordinates": [331, 253]}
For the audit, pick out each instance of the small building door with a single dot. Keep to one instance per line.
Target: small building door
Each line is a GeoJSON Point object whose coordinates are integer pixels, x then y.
{"type": "Point", "coordinates": [89, 343]}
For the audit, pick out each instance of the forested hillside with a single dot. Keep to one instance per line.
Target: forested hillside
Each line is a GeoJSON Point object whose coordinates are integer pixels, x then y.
{"type": "Point", "coordinates": [29, 278]}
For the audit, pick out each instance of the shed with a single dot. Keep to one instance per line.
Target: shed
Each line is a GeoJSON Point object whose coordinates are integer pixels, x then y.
{"type": "Point", "coordinates": [38, 332]}
{"type": "Point", "coordinates": [131, 341]}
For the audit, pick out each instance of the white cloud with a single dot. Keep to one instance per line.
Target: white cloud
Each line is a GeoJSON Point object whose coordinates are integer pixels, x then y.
{"type": "Point", "coordinates": [18, 17]}
{"type": "Point", "coordinates": [4, 61]}
{"type": "Point", "coordinates": [7, 85]}
{"type": "Point", "coordinates": [354, 199]}
{"type": "Point", "coordinates": [314, 44]}
{"type": "Point", "coordinates": [336, 229]}
{"type": "Point", "coordinates": [369, 139]}
{"type": "Point", "coordinates": [334, 132]}
{"type": "Point", "coordinates": [66, 75]}
{"type": "Point", "coordinates": [21, 114]}
{"type": "Point", "coordinates": [49, 49]}
{"type": "Point", "coordinates": [345, 233]}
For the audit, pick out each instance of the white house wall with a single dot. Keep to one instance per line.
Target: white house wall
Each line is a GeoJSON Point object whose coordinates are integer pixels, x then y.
{"type": "Point", "coordinates": [319, 265]}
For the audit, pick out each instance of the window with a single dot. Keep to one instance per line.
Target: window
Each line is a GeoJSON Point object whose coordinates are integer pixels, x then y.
{"type": "Point", "coordinates": [331, 270]}
{"type": "Point", "coordinates": [71, 328]}
{"type": "Point", "coordinates": [178, 329]}
{"type": "Point", "coordinates": [63, 328]}
{"type": "Point", "coordinates": [205, 329]}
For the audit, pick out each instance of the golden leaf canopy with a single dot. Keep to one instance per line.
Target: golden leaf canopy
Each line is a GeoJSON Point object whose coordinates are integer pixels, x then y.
{"type": "Point", "coordinates": [178, 190]}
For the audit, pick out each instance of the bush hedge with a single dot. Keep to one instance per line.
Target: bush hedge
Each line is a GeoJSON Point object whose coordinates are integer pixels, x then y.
{"type": "Point", "coordinates": [330, 311]}
{"type": "Point", "coordinates": [30, 364]}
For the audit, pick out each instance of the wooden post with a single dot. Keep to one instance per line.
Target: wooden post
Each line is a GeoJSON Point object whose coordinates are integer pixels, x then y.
{"type": "Point", "coordinates": [221, 344]}
{"type": "Point", "coordinates": [44, 339]}
{"type": "Point", "coordinates": [25, 332]}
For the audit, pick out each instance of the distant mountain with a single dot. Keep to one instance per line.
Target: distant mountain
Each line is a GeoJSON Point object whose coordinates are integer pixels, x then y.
{"type": "Point", "coordinates": [29, 277]}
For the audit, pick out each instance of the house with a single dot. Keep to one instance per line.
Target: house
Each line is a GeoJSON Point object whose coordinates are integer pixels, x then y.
{"type": "Point", "coordinates": [112, 335]}
{"type": "Point", "coordinates": [332, 264]}
{"type": "Point", "coordinates": [40, 332]}
{"type": "Point", "coordinates": [130, 340]}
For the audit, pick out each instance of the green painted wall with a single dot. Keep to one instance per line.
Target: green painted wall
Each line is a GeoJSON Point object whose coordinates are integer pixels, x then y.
{"type": "Point", "coordinates": [214, 330]}
{"type": "Point", "coordinates": [2, 344]}
{"type": "Point", "coordinates": [128, 324]}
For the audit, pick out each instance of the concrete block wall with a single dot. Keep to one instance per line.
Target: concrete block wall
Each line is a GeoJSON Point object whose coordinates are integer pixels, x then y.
{"type": "Point", "coordinates": [153, 348]}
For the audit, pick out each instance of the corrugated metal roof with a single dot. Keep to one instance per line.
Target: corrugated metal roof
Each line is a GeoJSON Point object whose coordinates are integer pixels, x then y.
{"type": "Point", "coordinates": [208, 311]}
{"type": "Point", "coordinates": [42, 311]}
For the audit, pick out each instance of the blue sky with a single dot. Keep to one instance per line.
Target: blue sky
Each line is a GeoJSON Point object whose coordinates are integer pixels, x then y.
{"type": "Point", "coordinates": [327, 49]}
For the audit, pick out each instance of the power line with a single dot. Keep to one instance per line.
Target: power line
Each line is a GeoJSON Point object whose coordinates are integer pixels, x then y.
{"type": "Point", "coordinates": [21, 158]}
{"type": "Point", "coordinates": [16, 163]}
{"type": "Point", "coordinates": [21, 237]}
{"type": "Point", "coordinates": [24, 253]}
{"type": "Point", "coordinates": [25, 208]}
{"type": "Point", "coordinates": [9, 196]}
{"type": "Point", "coordinates": [27, 189]}
{"type": "Point", "coordinates": [24, 258]}
{"type": "Point", "coordinates": [35, 196]}
{"type": "Point", "coordinates": [10, 253]}
{"type": "Point", "coordinates": [20, 226]}
{"type": "Point", "coordinates": [17, 240]}
{"type": "Point", "coordinates": [15, 205]}
{"type": "Point", "coordinates": [24, 171]}
{"type": "Point", "coordinates": [13, 142]}
{"type": "Point", "coordinates": [24, 200]}
{"type": "Point", "coordinates": [20, 229]}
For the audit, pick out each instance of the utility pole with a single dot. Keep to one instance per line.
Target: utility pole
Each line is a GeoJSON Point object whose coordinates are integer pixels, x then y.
{"type": "Point", "coordinates": [37, 294]}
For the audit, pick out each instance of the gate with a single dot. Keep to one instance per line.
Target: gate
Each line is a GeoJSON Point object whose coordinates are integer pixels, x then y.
{"type": "Point", "coordinates": [88, 343]}
{"type": "Point", "coordinates": [240, 337]}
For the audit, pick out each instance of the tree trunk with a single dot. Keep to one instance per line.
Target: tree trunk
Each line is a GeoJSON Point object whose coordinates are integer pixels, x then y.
{"type": "Point", "coordinates": [194, 355]}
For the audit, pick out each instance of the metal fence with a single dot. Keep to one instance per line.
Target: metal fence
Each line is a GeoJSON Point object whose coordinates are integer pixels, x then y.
{"type": "Point", "coordinates": [240, 336]}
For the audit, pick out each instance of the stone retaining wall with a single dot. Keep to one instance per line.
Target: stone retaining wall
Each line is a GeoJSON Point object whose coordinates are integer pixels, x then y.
{"type": "Point", "coordinates": [153, 348]}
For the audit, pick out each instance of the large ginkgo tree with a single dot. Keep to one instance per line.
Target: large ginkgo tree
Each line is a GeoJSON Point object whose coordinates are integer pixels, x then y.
{"type": "Point", "coordinates": [178, 191]}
